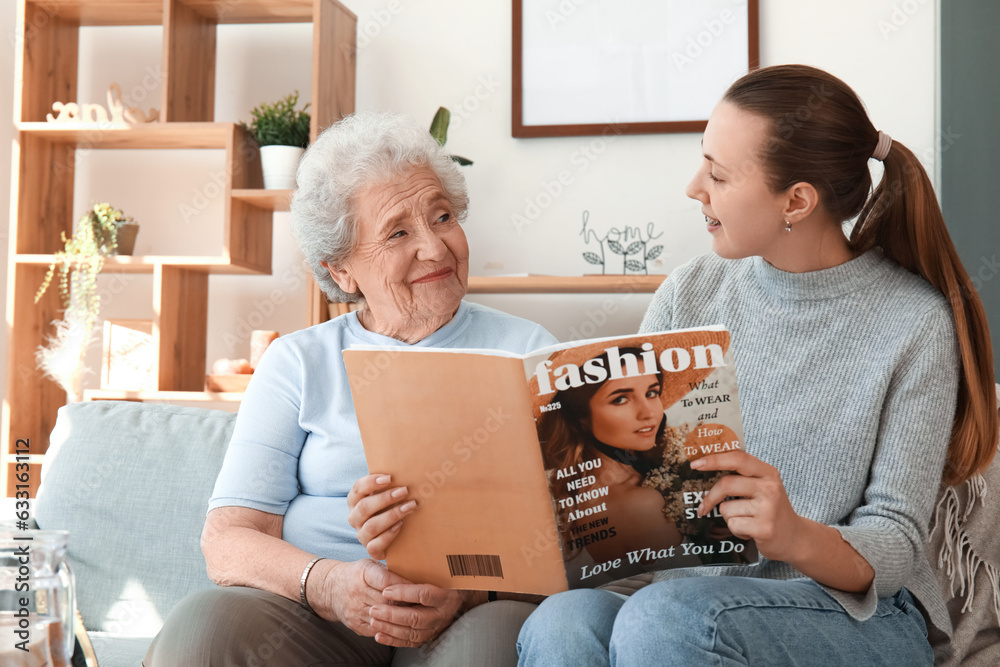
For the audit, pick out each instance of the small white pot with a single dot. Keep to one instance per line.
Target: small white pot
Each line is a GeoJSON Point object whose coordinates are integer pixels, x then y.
{"type": "Point", "coordinates": [279, 164]}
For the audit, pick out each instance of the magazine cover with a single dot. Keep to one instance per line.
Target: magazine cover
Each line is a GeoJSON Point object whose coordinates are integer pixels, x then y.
{"type": "Point", "coordinates": [564, 468]}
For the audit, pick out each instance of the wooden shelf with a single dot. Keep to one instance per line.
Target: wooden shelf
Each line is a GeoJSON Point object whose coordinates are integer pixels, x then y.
{"type": "Point", "coordinates": [172, 396]}
{"type": "Point", "coordinates": [150, 12]}
{"type": "Point", "coordinates": [563, 284]}
{"type": "Point", "coordinates": [46, 54]}
{"type": "Point", "coordinates": [254, 11]}
{"type": "Point", "coordinates": [104, 12]}
{"type": "Point", "coordinates": [269, 200]}
{"type": "Point", "coordinates": [148, 263]}
{"type": "Point", "coordinates": [145, 135]}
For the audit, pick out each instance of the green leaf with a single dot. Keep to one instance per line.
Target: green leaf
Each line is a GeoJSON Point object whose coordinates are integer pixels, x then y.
{"type": "Point", "coordinates": [464, 161]}
{"type": "Point", "coordinates": [616, 247]}
{"type": "Point", "coordinates": [592, 258]}
{"type": "Point", "coordinates": [279, 124]}
{"type": "Point", "coordinates": [634, 248]}
{"type": "Point", "coordinates": [439, 126]}
{"type": "Point", "coordinates": [633, 265]}
{"type": "Point", "coordinates": [654, 252]}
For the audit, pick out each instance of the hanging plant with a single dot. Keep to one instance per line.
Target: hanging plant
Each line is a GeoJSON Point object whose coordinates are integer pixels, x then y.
{"type": "Point", "coordinates": [78, 265]}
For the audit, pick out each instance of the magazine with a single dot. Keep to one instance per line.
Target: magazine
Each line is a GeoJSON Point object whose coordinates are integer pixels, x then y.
{"type": "Point", "coordinates": [564, 468]}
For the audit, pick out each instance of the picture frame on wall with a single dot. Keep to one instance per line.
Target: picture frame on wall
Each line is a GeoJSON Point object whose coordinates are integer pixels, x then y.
{"type": "Point", "coordinates": [589, 67]}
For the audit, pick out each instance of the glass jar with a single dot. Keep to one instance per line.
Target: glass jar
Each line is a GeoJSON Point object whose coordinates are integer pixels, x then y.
{"type": "Point", "coordinates": [36, 598]}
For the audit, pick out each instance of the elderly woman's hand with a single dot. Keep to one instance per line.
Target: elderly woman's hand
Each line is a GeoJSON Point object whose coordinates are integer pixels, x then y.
{"type": "Point", "coordinates": [349, 590]}
{"type": "Point", "coordinates": [376, 512]}
{"type": "Point", "coordinates": [417, 613]}
{"type": "Point", "coordinates": [373, 602]}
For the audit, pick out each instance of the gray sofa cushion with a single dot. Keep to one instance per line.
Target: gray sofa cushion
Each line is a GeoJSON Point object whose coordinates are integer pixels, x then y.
{"type": "Point", "coordinates": [115, 651]}
{"type": "Point", "coordinates": [132, 490]}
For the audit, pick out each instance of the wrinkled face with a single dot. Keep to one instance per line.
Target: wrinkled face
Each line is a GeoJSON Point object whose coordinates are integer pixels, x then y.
{"type": "Point", "coordinates": [745, 216]}
{"type": "Point", "coordinates": [412, 259]}
{"type": "Point", "coordinates": [626, 413]}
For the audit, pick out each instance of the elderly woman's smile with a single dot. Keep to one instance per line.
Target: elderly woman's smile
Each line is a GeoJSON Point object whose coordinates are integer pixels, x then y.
{"type": "Point", "coordinates": [411, 261]}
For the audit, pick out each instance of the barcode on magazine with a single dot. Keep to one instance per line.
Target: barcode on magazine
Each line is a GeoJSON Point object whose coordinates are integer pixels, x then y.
{"type": "Point", "coordinates": [474, 565]}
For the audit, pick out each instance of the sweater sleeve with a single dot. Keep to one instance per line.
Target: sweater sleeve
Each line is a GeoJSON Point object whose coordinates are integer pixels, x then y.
{"type": "Point", "coordinates": [260, 469]}
{"type": "Point", "coordinates": [890, 528]}
{"type": "Point", "coordinates": [539, 338]}
{"type": "Point", "coordinates": [660, 314]}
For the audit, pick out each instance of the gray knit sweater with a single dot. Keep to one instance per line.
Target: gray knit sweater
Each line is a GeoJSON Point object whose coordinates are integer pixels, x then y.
{"type": "Point", "coordinates": [848, 380]}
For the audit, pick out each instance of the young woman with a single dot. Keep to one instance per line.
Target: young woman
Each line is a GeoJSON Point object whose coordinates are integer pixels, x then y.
{"type": "Point", "coordinates": [618, 425]}
{"type": "Point", "coordinates": [866, 375]}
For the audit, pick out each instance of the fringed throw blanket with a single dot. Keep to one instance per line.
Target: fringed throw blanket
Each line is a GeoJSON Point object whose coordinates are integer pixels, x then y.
{"type": "Point", "coordinates": [965, 545]}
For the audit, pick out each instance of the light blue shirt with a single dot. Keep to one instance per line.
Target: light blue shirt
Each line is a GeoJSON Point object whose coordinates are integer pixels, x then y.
{"type": "Point", "coordinates": [296, 448]}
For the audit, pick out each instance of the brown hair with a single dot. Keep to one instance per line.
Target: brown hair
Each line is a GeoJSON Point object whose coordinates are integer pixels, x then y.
{"type": "Point", "coordinates": [821, 134]}
{"type": "Point", "coordinates": [564, 433]}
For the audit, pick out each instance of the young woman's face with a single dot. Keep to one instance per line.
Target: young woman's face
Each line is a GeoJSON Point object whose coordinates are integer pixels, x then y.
{"type": "Point", "coordinates": [745, 216]}
{"type": "Point", "coordinates": [626, 413]}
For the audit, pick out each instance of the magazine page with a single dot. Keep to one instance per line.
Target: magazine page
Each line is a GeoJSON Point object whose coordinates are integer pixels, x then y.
{"type": "Point", "coordinates": [619, 421]}
{"type": "Point", "coordinates": [456, 429]}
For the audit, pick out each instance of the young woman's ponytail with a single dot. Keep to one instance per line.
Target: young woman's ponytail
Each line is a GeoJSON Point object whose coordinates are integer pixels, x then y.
{"type": "Point", "coordinates": [821, 134]}
{"type": "Point", "coordinates": [903, 218]}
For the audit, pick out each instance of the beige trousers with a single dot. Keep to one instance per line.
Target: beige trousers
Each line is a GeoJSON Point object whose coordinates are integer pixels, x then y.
{"type": "Point", "coordinates": [247, 627]}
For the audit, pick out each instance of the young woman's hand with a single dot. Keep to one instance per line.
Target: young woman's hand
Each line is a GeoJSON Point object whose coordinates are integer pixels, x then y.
{"type": "Point", "coordinates": [758, 508]}
{"type": "Point", "coordinates": [376, 512]}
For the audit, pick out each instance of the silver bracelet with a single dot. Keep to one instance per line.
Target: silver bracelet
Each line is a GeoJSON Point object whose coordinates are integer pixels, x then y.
{"type": "Point", "coordinates": [302, 584]}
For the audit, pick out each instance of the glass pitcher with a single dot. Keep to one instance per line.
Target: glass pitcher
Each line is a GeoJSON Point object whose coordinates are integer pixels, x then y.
{"type": "Point", "coordinates": [36, 599]}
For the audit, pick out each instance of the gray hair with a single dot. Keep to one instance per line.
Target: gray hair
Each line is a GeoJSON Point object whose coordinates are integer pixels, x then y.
{"type": "Point", "coordinates": [362, 150]}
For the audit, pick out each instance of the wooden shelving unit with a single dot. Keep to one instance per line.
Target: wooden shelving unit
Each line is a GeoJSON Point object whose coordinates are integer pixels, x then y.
{"type": "Point", "coordinates": [151, 12]}
{"type": "Point", "coordinates": [269, 200]}
{"type": "Point", "coordinates": [148, 263]}
{"type": "Point", "coordinates": [178, 396]}
{"type": "Point", "coordinates": [46, 63]}
{"type": "Point", "coordinates": [564, 284]}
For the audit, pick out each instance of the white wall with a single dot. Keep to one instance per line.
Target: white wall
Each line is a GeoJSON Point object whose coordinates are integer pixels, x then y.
{"type": "Point", "coordinates": [457, 54]}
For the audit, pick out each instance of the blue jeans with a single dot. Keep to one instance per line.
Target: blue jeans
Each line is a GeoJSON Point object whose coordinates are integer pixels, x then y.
{"type": "Point", "coordinates": [724, 621]}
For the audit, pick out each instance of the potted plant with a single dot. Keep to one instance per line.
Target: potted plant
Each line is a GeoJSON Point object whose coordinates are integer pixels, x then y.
{"type": "Point", "coordinates": [283, 134]}
{"type": "Point", "coordinates": [439, 130]}
{"type": "Point", "coordinates": [97, 235]}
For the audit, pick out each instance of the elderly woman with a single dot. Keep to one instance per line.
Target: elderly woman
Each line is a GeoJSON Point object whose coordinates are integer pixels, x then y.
{"type": "Point", "coordinates": [377, 215]}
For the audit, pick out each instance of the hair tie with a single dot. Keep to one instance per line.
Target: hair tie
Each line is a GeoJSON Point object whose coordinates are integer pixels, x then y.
{"type": "Point", "coordinates": [882, 147]}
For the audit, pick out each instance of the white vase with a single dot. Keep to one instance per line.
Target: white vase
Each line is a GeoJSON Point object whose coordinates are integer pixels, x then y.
{"type": "Point", "coordinates": [279, 164]}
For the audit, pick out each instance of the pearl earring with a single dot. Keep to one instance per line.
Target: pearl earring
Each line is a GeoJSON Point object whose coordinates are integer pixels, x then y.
{"type": "Point", "coordinates": [788, 226]}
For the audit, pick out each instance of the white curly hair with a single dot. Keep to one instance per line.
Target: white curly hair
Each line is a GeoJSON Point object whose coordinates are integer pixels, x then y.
{"type": "Point", "coordinates": [352, 155]}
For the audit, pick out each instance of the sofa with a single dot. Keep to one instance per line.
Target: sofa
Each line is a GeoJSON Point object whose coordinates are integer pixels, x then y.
{"type": "Point", "coordinates": [131, 482]}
